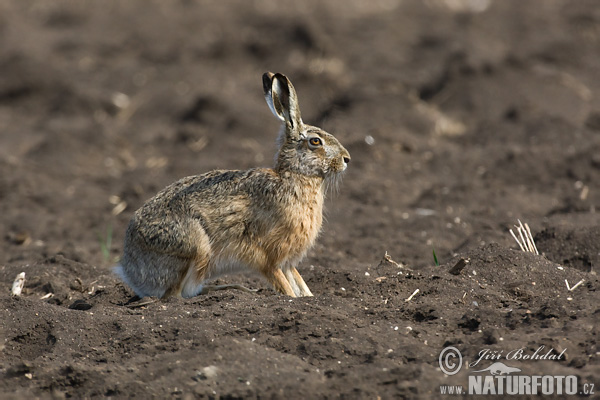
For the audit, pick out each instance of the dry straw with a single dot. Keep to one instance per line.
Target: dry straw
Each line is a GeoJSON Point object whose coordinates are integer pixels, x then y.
{"type": "Point", "coordinates": [525, 239]}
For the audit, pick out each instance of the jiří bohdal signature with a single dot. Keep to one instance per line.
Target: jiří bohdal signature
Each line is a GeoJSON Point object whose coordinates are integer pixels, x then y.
{"type": "Point", "coordinates": [519, 354]}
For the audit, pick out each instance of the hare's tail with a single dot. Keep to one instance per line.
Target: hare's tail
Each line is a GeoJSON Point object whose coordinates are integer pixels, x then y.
{"type": "Point", "coordinates": [118, 270]}
{"type": "Point", "coordinates": [139, 291]}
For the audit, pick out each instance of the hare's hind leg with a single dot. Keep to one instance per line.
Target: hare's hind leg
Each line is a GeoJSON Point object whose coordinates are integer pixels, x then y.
{"type": "Point", "coordinates": [206, 289]}
{"type": "Point", "coordinates": [294, 275]}
{"type": "Point", "coordinates": [137, 302]}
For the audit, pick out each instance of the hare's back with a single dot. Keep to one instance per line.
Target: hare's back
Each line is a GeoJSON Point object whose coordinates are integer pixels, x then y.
{"type": "Point", "coordinates": [191, 206]}
{"type": "Point", "coordinates": [220, 187]}
{"type": "Point", "coordinates": [208, 186]}
{"type": "Point", "coordinates": [215, 196]}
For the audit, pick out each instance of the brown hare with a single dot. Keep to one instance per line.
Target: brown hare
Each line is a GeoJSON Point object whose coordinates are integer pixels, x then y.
{"type": "Point", "coordinates": [262, 219]}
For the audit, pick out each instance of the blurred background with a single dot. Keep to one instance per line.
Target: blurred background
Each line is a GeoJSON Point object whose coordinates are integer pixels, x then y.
{"type": "Point", "coordinates": [461, 116]}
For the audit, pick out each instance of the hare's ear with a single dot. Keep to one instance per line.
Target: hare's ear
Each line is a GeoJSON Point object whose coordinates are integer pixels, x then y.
{"type": "Point", "coordinates": [282, 100]}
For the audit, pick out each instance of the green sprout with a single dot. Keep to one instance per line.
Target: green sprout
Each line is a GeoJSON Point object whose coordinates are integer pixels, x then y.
{"type": "Point", "coordinates": [105, 243]}
{"type": "Point", "coordinates": [437, 263]}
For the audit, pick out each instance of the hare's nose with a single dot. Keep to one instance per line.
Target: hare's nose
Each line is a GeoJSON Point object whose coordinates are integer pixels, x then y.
{"type": "Point", "coordinates": [347, 160]}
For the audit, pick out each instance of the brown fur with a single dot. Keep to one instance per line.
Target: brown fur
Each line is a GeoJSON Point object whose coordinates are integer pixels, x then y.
{"type": "Point", "coordinates": [261, 219]}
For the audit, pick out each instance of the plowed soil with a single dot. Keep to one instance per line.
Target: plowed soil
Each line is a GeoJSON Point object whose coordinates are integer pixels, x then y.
{"type": "Point", "coordinates": [461, 117]}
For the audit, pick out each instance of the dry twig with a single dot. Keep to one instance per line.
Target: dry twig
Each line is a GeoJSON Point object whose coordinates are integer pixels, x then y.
{"type": "Point", "coordinates": [570, 289]}
{"type": "Point", "coordinates": [412, 295]}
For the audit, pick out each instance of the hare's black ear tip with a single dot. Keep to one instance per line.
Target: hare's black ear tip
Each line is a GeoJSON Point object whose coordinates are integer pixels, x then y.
{"type": "Point", "coordinates": [267, 79]}
{"type": "Point", "coordinates": [283, 81]}
{"type": "Point", "coordinates": [280, 77]}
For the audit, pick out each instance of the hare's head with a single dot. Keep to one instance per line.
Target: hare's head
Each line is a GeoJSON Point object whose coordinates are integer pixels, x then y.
{"type": "Point", "coordinates": [304, 149]}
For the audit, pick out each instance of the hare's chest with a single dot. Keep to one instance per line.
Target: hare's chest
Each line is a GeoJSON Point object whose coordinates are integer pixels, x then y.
{"type": "Point", "coordinates": [308, 225]}
{"type": "Point", "coordinates": [303, 227]}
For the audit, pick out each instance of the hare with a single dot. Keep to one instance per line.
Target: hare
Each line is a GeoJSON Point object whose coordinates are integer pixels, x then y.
{"type": "Point", "coordinates": [262, 219]}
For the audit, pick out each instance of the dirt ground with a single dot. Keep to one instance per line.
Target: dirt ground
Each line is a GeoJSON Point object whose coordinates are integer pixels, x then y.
{"type": "Point", "coordinates": [461, 117]}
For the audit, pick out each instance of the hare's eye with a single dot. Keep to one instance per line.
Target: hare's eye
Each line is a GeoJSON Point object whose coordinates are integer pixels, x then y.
{"type": "Point", "coordinates": [315, 141]}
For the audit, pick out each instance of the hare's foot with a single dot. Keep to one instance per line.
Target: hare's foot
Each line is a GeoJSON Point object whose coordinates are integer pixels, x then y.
{"type": "Point", "coordinates": [304, 290]}
{"type": "Point", "coordinates": [213, 288]}
{"type": "Point", "coordinates": [297, 283]}
{"type": "Point", "coordinates": [280, 283]}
